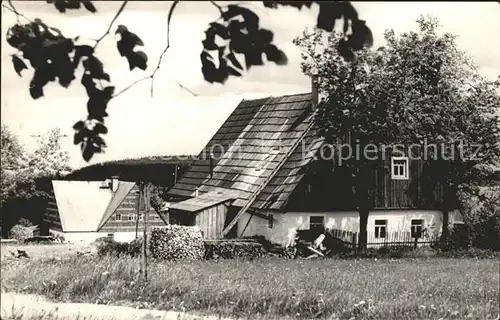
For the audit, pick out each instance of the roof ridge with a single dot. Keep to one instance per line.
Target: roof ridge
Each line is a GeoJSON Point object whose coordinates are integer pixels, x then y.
{"type": "Point", "coordinates": [279, 96]}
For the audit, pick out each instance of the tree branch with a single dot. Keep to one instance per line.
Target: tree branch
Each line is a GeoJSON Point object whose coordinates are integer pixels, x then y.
{"type": "Point", "coordinates": [111, 23]}
{"type": "Point", "coordinates": [151, 76]}
{"type": "Point", "coordinates": [169, 18]}
{"type": "Point", "coordinates": [217, 6]}
{"type": "Point", "coordinates": [14, 10]}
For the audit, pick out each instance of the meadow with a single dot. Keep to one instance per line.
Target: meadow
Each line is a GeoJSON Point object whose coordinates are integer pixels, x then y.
{"type": "Point", "coordinates": [270, 288]}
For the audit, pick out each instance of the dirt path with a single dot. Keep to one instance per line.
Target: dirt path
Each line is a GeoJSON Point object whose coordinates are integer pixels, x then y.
{"type": "Point", "coordinates": [14, 305]}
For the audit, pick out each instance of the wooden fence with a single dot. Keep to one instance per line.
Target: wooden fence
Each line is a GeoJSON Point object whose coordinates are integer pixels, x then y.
{"type": "Point", "coordinates": [389, 239]}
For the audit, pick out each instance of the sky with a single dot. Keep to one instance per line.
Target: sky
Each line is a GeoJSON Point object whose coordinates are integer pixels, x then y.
{"type": "Point", "coordinates": [174, 122]}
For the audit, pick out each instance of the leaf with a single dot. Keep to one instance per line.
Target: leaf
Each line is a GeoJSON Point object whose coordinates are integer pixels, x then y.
{"type": "Point", "coordinates": [108, 92]}
{"type": "Point", "coordinates": [79, 125]}
{"type": "Point", "coordinates": [250, 19]}
{"type": "Point", "coordinates": [265, 36]}
{"type": "Point", "coordinates": [60, 5]}
{"type": "Point", "coordinates": [347, 10]}
{"type": "Point", "coordinates": [275, 55]}
{"type": "Point", "coordinates": [94, 66]}
{"type": "Point", "coordinates": [100, 129]}
{"type": "Point", "coordinates": [210, 73]}
{"type": "Point", "coordinates": [231, 57]}
{"type": "Point", "coordinates": [361, 36]}
{"type": "Point", "coordinates": [79, 136]}
{"type": "Point", "coordinates": [345, 51]}
{"type": "Point", "coordinates": [89, 6]}
{"type": "Point", "coordinates": [253, 58]}
{"type": "Point", "coordinates": [142, 60]}
{"type": "Point", "coordinates": [99, 143]}
{"type": "Point", "coordinates": [234, 72]}
{"type": "Point", "coordinates": [19, 64]}
{"type": "Point", "coordinates": [328, 14]}
{"type": "Point", "coordinates": [87, 150]}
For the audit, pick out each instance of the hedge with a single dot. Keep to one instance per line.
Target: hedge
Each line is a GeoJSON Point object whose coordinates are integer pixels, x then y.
{"type": "Point", "coordinates": [177, 243]}
{"type": "Point", "coordinates": [111, 247]}
{"type": "Point", "coordinates": [221, 249]}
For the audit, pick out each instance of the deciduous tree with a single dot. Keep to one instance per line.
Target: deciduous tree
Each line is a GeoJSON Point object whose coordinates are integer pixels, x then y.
{"type": "Point", "coordinates": [418, 88]}
{"type": "Point", "coordinates": [26, 177]}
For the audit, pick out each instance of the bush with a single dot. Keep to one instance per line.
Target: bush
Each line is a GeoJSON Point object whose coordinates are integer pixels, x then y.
{"type": "Point", "coordinates": [111, 247]}
{"type": "Point", "coordinates": [233, 249]}
{"type": "Point", "coordinates": [20, 233]}
{"type": "Point", "coordinates": [25, 222]}
{"type": "Point", "coordinates": [470, 253]}
{"type": "Point", "coordinates": [177, 243]}
{"type": "Point", "coordinates": [480, 208]}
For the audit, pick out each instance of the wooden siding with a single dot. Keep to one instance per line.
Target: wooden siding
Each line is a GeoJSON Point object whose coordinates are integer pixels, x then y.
{"type": "Point", "coordinates": [129, 208]}
{"type": "Point", "coordinates": [211, 221]}
{"type": "Point", "coordinates": [329, 187]}
{"type": "Point", "coordinates": [51, 218]}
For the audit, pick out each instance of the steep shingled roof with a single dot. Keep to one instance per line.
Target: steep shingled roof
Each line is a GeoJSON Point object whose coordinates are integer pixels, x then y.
{"type": "Point", "coordinates": [248, 148]}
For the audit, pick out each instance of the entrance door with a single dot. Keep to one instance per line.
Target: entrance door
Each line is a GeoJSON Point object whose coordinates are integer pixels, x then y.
{"type": "Point", "coordinates": [231, 213]}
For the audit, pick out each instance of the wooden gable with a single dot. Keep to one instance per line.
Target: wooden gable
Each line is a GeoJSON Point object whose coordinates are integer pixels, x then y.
{"type": "Point", "coordinates": [125, 218]}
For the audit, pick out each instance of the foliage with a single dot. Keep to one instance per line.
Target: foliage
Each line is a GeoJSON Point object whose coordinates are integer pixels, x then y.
{"type": "Point", "coordinates": [20, 233]}
{"type": "Point", "coordinates": [111, 247]}
{"type": "Point", "coordinates": [236, 35]}
{"type": "Point", "coordinates": [233, 249]}
{"type": "Point", "coordinates": [177, 243]}
{"type": "Point", "coordinates": [273, 288]}
{"type": "Point", "coordinates": [15, 178]}
{"type": "Point", "coordinates": [49, 160]}
{"type": "Point", "coordinates": [480, 208]}
{"type": "Point", "coordinates": [417, 89]}
{"type": "Point", "coordinates": [25, 177]}
{"type": "Point", "coordinates": [25, 222]}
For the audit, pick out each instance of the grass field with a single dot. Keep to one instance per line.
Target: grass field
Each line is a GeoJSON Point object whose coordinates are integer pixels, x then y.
{"type": "Point", "coordinates": [274, 288]}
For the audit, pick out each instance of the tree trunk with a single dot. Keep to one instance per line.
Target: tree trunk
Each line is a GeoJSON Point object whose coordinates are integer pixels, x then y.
{"type": "Point", "coordinates": [145, 233]}
{"type": "Point", "coordinates": [363, 196]}
{"type": "Point", "coordinates": [445, 232]}
{"type": "Point", "coordinates": [363, 232]}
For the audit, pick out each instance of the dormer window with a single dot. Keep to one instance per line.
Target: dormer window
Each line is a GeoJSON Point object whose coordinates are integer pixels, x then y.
{"type": "Point", "coordinates": [399, 168]}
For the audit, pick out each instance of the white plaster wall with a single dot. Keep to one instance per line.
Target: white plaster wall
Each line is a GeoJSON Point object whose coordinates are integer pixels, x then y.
{"type": "Point", "coordinates": [82, 237]}
{"type": "Point", "coordinates": [89, 237]}
{"type": "Point", "coordinates": [286, 224]}
{"type": "Point", "coordinates": [125, 236]}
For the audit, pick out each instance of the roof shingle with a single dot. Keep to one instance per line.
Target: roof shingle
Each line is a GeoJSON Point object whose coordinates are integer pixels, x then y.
{"type": "Point", "coordinates": [248, 148]}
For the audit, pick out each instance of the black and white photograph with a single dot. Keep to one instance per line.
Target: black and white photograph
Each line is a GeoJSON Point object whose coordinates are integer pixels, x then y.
{"type": "Point", "coordinates": [257, 160]}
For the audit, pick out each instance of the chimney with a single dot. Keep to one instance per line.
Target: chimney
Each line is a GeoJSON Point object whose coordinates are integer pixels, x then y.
{"type": "Point", "coordinates": [314, 88]}
{"type": "Point", "coordinates": [114, 183]}
{"type": "Point", "coordinates": [196, 192]}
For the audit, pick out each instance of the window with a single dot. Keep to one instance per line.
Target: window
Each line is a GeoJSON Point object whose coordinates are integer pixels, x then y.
{"type": "Point", "coordinates": [399, 168]}
{"type": "Point", "coordinates": [417, 226]}
{"type": "Point", "coordinates": [316, 222]}
{"type": "Point", "coordinates": [118, 217]}
{"type": "Point", "coordinates": [380, 229]}
{"type": "Point", "coordinates": [131, 217]}
{"type": "Point", "coordinates": [141, 217]}
{"type": "Point", "coordinates": [124, 217]}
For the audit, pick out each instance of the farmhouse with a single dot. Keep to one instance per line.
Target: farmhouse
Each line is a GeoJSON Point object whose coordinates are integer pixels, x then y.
{"type": "Point", "coordinates": [259, 175]}
{"type": "Point", "coordinates": [83, 211]}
